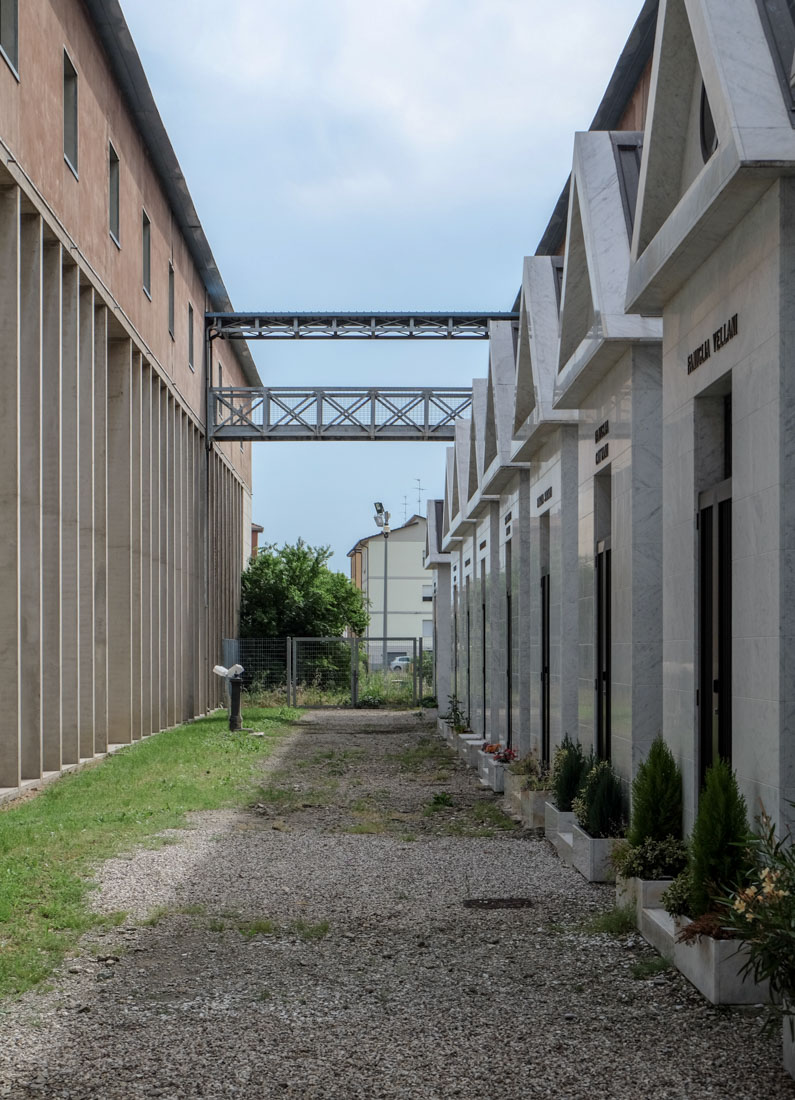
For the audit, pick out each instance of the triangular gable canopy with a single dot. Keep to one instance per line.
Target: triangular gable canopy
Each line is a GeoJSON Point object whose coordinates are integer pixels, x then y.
{"type": "Point", "coordinates": [477, 446]}
{"type": "Point", "coordinates": [595, 330]}
{"type": "Point", "coordinates": [537, 356]}
{"type": "Point", "coordinates": [462, 451]}
{"type": "Point", "coordinates": [434, 555]}
{"type": "Point", "coordinates": [500, 401]}
{"type": "Point", "coordinates": [449, 479]}
{"type": "Point", "coordinates": [719, 129]}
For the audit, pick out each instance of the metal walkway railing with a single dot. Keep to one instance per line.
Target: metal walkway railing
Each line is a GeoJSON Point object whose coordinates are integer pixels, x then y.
{"type": "Point", "coordinates": [340, 414]}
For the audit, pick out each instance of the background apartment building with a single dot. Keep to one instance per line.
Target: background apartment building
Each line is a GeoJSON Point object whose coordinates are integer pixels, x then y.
{"type": "Point", "coordinates": [121, 532]}
{"type": "Point", "coordinates": [409, 591]}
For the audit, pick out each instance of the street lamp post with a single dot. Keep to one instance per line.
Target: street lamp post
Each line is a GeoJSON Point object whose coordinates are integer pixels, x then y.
{"type": "Point", "coordinates": [382, 520]}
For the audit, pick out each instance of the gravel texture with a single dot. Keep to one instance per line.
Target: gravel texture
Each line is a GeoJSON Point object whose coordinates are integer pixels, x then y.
{"type": "Point", "coordinates": [318, 946]}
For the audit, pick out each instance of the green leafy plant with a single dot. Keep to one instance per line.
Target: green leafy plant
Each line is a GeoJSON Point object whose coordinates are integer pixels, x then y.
{"type": "Point", "coordinates": [762, 915]}
{"type": "Point", "coordinates": [536, 776]}
{"type": "Point", "coordinates": [656, 797]}
{"type": "Point", "coordinates": [600, 805]}
{"type": "Point", "coordinates": [428, 702]}
{"type": "Point", "coordinates": [719, 859]}
{"type": "Point", "coordinates": [677, 900]}
{"type": "Point", "coordinates": [652, 859]}
{"type": "Point", "coordinates": [569, 769]}
{"type": "Point", "coordinates": [455, 715]}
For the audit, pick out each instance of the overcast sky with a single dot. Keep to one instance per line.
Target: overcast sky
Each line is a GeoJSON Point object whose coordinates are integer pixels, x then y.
{"type": "Point", "coordinates": [372, 155]}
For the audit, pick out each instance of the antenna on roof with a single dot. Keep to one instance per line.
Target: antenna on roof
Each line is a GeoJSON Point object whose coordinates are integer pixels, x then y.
{"type": "Point", "coordinates": [405, 508]}
{"type": "Point", "coordinates": [419, 495]}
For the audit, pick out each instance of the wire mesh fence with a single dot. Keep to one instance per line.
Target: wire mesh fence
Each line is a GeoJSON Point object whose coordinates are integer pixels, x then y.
{"type": "Point", "coordinates": [266, 661]}
{"type": "Point", "coordinates": [332, 672]}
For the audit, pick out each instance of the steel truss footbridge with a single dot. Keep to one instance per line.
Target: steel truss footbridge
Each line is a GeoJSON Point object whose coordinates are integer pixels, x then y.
{"type": "Point", "coordinates": [341, 413]}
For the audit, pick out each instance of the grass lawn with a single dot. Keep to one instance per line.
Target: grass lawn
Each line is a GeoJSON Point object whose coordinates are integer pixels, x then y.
{"type": "Point", "coordinates": [50, 844]}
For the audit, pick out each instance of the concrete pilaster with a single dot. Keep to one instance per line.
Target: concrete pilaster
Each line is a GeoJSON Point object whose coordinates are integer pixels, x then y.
{"type": "Point", "coordinates": [100, 528]}
{"type": "Point", "coordinates": [85, 496]}
{"type": "Point", "coordinates": [70, 516]}
{"type": "Point", "coordinates": [51, 507]}
{"type": "Point", "coordinates": [135, 544]}
{"type": "Point", "coordinates": [9, 462]}
{"type": "Point", "coordinates": [30, 401]}
{"type": "Point", "coordinates": [119, 541]}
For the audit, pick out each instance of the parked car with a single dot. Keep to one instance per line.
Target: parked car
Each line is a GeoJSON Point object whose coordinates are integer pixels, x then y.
{"type": "Point", "coordinates": [400, 664]}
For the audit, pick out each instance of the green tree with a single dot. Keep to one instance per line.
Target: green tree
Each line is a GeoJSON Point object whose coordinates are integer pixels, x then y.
{"type": "Point", "coordinates": [290, 591]}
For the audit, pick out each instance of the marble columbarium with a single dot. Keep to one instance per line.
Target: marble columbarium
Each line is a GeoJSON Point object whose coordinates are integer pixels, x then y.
{"type": "Point", "coordinates": [617, 518]}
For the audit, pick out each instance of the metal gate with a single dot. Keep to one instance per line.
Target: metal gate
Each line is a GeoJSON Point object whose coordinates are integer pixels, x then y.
{"type": "Point", "coordinates": [350, 672]}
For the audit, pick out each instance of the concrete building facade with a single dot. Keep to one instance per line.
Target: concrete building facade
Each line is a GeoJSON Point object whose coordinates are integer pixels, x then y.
{"type": "Point", "coordinates": [651, 445]}
{"type": "Point", "coordinates": [121, 532]}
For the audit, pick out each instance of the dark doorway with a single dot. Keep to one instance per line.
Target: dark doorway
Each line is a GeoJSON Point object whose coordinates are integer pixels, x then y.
{"type": "Point", "coordinates": [545, 709]}
{"type": "Point", "coordinates": [715, 614]}
{"type": "Point", "coordinates": [603, 646]}
{"type": "Point", "coordinates": [508, 649]}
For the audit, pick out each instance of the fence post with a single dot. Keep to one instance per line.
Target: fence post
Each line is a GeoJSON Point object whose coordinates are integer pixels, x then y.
{"type": "Point", "coordinates": [414, 666]}
{"type": "Point", "coordinates": [289, 671]}
{"type": "Point", "coordinates": [354, 671]}
{"type": "Point", "coordinates": [294, 671]}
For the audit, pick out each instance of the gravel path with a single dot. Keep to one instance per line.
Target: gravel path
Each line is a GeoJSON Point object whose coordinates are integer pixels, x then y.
{"type": "Point", "coordinates": [318, 946]}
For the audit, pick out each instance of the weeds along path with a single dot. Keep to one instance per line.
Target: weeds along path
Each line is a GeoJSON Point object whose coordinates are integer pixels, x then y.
{"type": "Point", "coordinates": [317, 945]}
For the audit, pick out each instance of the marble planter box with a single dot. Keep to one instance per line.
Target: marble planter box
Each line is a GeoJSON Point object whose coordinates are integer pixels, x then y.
{"type": "Point", "coordinates": [446, 731]}
{"type": "Point", "coordinates": [592, 855]}
{"type": "Point", "coordinates": [513, 793]}
{"type": "Point", "coordinates": [712, 966]}
{"type": "Point", "coordinates": [641, 893]}
{"type": "Point", "coordinates": [469, 745]}
{"type": "Point", "coordinates": [490, 772]}
{"type": "Point", "coordinates": [558, 826]}
{"type": "Point", "coordinates": [788, 1043]}
{"type": "Point", "coordinates": [533, 809]}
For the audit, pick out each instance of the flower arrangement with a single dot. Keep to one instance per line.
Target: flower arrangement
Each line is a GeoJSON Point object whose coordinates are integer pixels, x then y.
{"type": "Point", "coordinates": [505, 756]}
{"type": "Point", "coordinates": [492, 747]}
{"type": "Point", "coordinates": [761, 913]}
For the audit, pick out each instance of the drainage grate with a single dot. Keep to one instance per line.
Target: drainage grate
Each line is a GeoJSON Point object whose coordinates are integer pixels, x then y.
{"type": "Point", "coordinates": [497, 903]}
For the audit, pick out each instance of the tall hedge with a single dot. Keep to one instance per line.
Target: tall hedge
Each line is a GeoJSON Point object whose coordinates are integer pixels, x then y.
{"type": "Point", "coordinates": [719, 857]}
{"type": "Point", "coordinates": [656, 797]}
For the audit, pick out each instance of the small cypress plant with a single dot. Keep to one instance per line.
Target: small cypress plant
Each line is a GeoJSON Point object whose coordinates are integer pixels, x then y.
{"type": "Point", "coordinates": [569, 769]}
{"type": "Point", "coordinates": [600, 805]}
{"type": "Point", "coordinates": [719, 845]}
{"type": "Point", "coordinates": [656, 797]}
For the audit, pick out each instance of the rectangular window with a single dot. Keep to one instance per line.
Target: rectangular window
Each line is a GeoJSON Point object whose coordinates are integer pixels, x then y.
{"type": "Point", "coordinates": [69, 113]}
{"type": "Point", "coordinates": [113, 192]}
{"type": "Point", "coordinates": [146, 254]}
{"type": "Point", "coordinates": [171, 300]}
{"type": "Point", "coordinates": [9, 39]}
{"type": "Point", "coordinates": [427, 593]}
{"type": "Point", "coordinates": [190, 337]}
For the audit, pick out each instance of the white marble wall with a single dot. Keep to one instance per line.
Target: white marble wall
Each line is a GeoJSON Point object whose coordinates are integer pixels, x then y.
{"type": "Point", "coordinates": [750, 274]}
{"type": "Point", "coordinates": [554, 521]}
{"type": "Point", "coordinates": [621, 497]}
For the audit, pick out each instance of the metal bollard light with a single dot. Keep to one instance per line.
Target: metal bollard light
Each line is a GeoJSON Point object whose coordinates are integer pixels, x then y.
{"type": "Point", "coordinates": [235, 718]}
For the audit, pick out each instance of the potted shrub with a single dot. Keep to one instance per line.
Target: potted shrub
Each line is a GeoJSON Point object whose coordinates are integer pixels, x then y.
{"type": "Point", "coordinates": [761, 915]}
{"type": "Point", "coordinates": [570, 765]}
{"type": "Point", "coordinates": [527, 788]}
{"type": "Point", "coordinates": [703, 946]}
{"type": "Point", "coordinates": [601, 819]}
{"type": "Point", "coordinates": [654, 852]}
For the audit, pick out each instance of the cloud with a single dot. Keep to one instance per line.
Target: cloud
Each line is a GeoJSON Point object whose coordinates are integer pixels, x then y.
{"type": "Point", "coordinates": [361, 104]}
